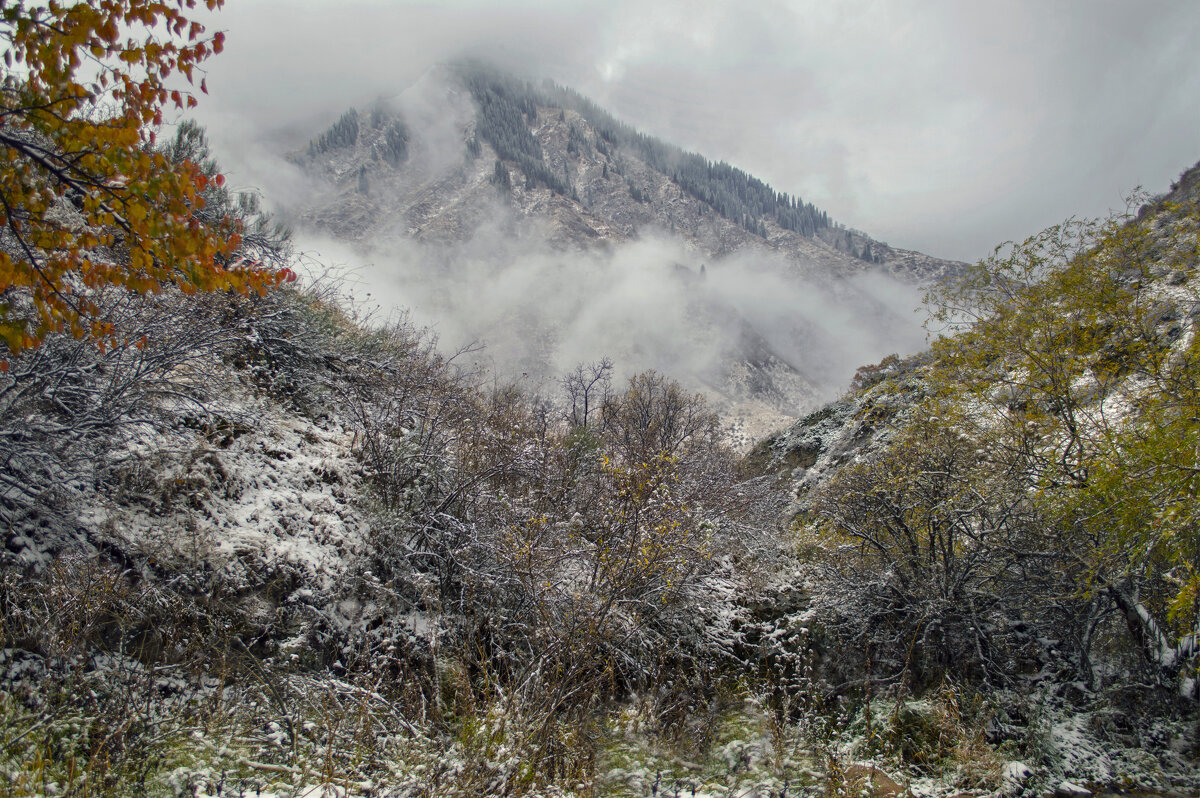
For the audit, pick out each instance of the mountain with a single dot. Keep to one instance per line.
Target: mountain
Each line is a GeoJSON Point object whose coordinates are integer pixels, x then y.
{"type": "Point", "coordinates": [506, 212]}
{"type": "Point", "coordinates": [562, 158]}
{"type": "Point", "coordinates": [260, 545]}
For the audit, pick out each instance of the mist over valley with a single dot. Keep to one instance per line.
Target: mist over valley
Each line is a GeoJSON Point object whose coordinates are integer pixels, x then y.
{"type": "Point", "coordinates": [592, 242]}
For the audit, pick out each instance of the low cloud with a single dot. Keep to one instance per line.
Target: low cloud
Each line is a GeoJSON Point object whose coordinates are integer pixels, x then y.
{"type": "Point", "coordinates": [538, 311]}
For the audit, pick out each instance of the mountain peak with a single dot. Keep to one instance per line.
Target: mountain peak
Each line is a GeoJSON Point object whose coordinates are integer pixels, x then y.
{"type": "Point", "coordinates": [526, 139]}
{"type": "Point", "coordinates": [499, 182]}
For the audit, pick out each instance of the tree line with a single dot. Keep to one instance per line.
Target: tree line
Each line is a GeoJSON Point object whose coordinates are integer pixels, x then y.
{"type": "Point", "coordinates": [507, 106]}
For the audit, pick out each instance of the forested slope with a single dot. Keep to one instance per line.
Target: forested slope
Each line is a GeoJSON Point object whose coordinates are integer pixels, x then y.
{"type": "Point", "coordinates": [556, 155]}
{"type": "Point", "coordinates": [1014, 510]}
{"type": "Point", "coordinates": [507, 106]}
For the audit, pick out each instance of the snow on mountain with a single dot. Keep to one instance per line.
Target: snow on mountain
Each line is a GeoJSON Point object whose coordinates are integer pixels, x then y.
{"type": "Point", "coordinates": [528, 219]}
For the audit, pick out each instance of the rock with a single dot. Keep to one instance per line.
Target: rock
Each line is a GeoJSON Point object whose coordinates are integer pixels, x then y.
{"type": "Point", "coordinates": [1016, 775]}
{"type": "Point", "coordinates": [876, 783]}
{"type": "Point", "coordinates": [1069, 789]}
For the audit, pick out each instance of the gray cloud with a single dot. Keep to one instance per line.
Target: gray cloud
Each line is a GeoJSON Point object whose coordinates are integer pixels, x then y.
{"type": "Point", "coordinates": [941, 126]}
{"type": "Point", "coordinates": [538, 311]}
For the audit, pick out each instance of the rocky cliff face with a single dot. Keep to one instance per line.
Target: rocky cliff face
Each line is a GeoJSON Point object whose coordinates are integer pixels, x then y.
{"type": "Point", "coordinates": [759, 316]}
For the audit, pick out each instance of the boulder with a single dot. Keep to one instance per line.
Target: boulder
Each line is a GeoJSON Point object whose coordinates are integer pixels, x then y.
{"type": "Point", "coordinates": [1069, 789]}
{"type": "Point", "coordinates": [870, 780]}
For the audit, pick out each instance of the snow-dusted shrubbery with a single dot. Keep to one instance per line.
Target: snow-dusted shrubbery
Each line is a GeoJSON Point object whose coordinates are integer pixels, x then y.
{"type": "Point", "coordinates": [1012, 517]}
{"type": "Point", "coordinates": [259, 545]}
{"type": "Point", "coordinates": [266, 521]}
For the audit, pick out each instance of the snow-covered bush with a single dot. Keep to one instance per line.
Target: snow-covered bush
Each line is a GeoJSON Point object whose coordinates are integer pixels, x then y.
{"type": "Point", "coordinates": [924, 546]}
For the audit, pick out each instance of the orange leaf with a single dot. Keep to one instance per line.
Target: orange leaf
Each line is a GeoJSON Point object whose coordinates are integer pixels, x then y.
{"type": "Point", "coordinates": [136, 200]}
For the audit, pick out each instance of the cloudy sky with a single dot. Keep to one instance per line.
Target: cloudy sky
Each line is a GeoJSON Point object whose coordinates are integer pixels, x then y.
{"type": "Point", "coordinates": [946, 127]}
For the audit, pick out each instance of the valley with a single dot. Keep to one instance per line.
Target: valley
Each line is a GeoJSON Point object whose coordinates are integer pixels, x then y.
{"type": "Point", "coordinates": [592, 250]}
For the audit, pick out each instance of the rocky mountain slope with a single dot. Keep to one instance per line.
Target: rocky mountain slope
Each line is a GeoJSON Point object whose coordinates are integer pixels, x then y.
{"type": "Point", "coordinates": [471, 166]}
{"type": "Point", "coordinates": [885, 395]}
{"type": "Point", "coordinates": [597, 186]}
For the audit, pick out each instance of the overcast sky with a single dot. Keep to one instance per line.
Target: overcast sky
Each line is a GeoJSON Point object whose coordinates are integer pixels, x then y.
{"type": "Point", "coordinates": [946, 127]}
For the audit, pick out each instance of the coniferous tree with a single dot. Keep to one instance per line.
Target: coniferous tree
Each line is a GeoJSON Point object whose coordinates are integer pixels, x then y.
{"type": "Point", "coordinates": [500, 177]}
{"type": "Point", "coordinates": [394, 146]}
{"type": "Point", "coordinates": [344, 133]}
{"type": "Point", "coordinates": [506, 106]}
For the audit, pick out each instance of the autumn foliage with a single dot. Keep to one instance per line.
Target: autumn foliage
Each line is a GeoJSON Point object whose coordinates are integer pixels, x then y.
{"type": "Point", "coordinates": [87, 201]}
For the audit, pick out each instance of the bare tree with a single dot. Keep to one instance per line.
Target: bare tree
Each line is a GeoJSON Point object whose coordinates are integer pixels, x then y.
{"type": "Point", "coordinates": [656, 416]}
{"type": "Point", "coordinates": [587, 388]}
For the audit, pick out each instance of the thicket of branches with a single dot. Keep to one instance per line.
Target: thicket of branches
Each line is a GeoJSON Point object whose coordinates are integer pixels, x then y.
{"type": "Point", "coordinates": [1037, 512]}
{"type": "Point", "coordinates": [580, 555]}
{"type": "Point", "coordinates": [552, 562]}
{"type": "Point", "coordinates": [556, 555]}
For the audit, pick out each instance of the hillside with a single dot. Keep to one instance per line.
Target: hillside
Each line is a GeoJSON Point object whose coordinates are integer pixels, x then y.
{"type": "Point", "coordinates": [298, 551]}
{"type": "Point", "coordinates": [276, 549]}
{"type": "Point", "coordinates": [1020, 500]}
{"type": "Point", "coordinates": [595, 178]}
{"type": "Point", "coordinates": [500, 210]}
